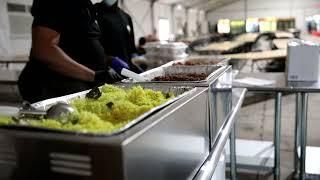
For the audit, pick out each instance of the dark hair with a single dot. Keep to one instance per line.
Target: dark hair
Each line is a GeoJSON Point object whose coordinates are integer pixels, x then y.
{"type": "Point", "coordinates": [142, 41]}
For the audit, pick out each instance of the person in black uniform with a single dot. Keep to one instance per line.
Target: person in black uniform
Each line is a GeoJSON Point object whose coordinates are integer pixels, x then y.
{"type": "Point", "coordinates": [117, 31]}
{"type": "Point", "coordinates": [66, 55]}
{"type": "Point", "coordinates": [140, 49]}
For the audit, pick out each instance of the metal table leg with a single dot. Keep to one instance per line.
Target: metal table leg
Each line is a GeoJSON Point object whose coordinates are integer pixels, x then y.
{"type": "Point", "coordinates": [297, 134]}
{"type": "Point", "coordinates": [233, 161]}
{"type": "Point", "coordinates": [303, 140]}
{"type": "Point", "coordinates": [277, 133]}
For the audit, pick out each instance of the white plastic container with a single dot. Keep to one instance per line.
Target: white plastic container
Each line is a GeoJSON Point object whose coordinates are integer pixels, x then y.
{"type": "Point", "coordinates": [303, 61]}
{"type": "Point", "coordinates": [165, 50]}
{"type": "Point", "coordinates": [176, 49]}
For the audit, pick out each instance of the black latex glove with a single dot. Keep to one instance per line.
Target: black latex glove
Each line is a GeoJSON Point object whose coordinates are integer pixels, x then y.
{"type": "Point", "coordinates": [107, 76]}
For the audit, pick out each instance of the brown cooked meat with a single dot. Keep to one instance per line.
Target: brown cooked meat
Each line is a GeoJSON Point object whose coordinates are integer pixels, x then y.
{"type": "Point", "coordinates": [182, 77]}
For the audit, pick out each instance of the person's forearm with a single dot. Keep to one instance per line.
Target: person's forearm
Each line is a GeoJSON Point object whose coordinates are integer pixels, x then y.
{"type": "Point", "coordinates": [45, 49]}
{"type": "Point", "coordinates": [57, 60]}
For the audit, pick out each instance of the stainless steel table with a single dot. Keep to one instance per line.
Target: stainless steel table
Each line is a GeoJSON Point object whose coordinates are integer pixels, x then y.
{"type": "Point", "coordinates": [301, 89]}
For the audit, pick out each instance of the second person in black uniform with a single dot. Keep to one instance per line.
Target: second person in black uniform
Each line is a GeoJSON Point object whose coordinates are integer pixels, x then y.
{"type": "Point", "coordinates": [117, 31]}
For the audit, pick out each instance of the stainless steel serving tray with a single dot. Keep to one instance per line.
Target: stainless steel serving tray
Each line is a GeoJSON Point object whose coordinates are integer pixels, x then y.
{"type": "Point", "coordinates": [180, 92]}
{"type": "Point", "coordinates": [171, 144]}
{"type": "Point", "coordinates": [211, 71]}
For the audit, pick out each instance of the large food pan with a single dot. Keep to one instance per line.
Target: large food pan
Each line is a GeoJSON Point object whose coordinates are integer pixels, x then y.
{"type": "Point", "coordinates": [211, 71]}
{"type": "Point", "coordinates": [171, 144]}
{"type": "Point", "coordinates": [179, 92]}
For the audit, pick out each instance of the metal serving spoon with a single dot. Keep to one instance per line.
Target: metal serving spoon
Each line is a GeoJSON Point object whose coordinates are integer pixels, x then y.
{"type": "Point", "coordinates": [54, 112]}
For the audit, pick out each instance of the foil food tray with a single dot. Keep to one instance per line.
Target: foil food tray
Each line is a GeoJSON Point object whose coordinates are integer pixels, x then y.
{"type": "Point", "coordinates": [219, 60]}
{"type": "Point", "coordinates": [179, 92]}
{"type": "Point", "coordinates": [211, 71]}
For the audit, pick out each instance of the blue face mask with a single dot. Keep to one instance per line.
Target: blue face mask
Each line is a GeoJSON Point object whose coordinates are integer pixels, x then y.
{"type": "Point", "coordinates": [109, 2]}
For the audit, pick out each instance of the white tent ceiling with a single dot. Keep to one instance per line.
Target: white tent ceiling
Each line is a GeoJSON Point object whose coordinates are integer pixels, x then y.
{"type": "Point", "coordinates": [199, 4]}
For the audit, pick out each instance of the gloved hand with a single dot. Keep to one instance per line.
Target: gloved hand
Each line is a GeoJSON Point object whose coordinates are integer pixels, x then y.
{"type": "Point", "coordinates": [107, 76]}
{"type": "Point", "coordinates": [117, 64]}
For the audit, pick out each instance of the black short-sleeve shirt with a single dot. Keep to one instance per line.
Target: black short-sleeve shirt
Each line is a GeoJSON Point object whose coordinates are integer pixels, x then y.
{"type": "Point", "coordinates": [117, 31]}
{"type": "Point", "coordinates": [75, 21]}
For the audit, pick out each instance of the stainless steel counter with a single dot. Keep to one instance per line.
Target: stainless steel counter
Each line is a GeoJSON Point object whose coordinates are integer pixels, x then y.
{"type": "Point", "coordinates": [280, 83]}
{"type": "Point", "coordinates": [301, 89]}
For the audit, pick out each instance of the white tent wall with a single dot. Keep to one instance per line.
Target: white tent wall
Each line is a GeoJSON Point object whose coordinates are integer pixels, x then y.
{"type": "Point", "coordinates": [20, 29]}
{"type": "Point", "coordinates": [162, 11]}
{"type": "Point", "coordinates": [177, 15]}
{"type": "Point", "coordinates": [5, 43]}
{"type": "Point", "coordinates": [266, 8]}
{"type": "Point", "coordinates": [192, 22]}
{"type": "Point", "coordinates": [179, 20]}
{"type": "Point", "coordinates": [140, 13]}
{"type": "Point", "coordinates": [202, 19]}
{"type": "Point", "coordinates": [197, 22]}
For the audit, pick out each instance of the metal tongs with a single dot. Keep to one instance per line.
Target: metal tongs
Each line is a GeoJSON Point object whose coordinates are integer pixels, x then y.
{"type": "Point", "coordinates": [133, 75]}
{"type": "Point", "coordinates": [27, 111]}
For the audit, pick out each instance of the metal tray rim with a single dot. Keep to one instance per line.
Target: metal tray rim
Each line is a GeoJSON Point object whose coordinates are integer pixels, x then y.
{"type": "Point", "coordinates": [220, 58]}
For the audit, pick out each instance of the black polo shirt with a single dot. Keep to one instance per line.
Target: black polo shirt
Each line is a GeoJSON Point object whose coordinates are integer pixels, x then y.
{"type": "Point", "coordinates": [117, 31]}
{"type": "Point", "coordinates": [80, 39]}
